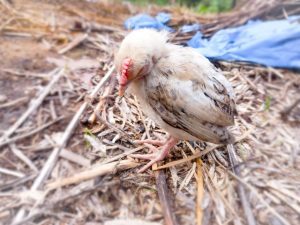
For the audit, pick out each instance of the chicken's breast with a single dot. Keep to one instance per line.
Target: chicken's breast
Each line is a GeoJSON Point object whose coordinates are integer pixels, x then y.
{"type": "Point", "coordinates": [192, 99]}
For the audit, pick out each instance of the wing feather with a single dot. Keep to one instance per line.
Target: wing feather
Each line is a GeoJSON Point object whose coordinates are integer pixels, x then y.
{"type": "Point", "coordinates": [194, 96]}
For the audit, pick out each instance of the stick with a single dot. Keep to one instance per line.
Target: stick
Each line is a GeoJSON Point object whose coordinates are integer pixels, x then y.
{"type": "Point", "coordinates": [241, 190]}
{"type": "Point", "coordinates": [97, 170]}
{"type": "Point", "coordinates": [258, 195]}
{"type": "Point", "coordinates": [23, 157]}
{"type": "Point", "coordinates": [194, 156]}
{"type": "Point", "coordinates": [200, 192]}
{"type": "Point", "coordinates": [117, 157]}
{"type": "Point", "coordinates": [289, 203]}
{"type": "Point", "coordinates": [17, 138]}
{"type": "Point", "coordinates": [25, 74]}
{"type": "Point", "coordinates": [108, 90]}
{"type": "Point", "coordinates": [72, 195]}
{"type": "Point", "coordinates": [14, 102]}
{"type": "Point", "coordinates": [113, 127]}
{"type": "Point", "coordinates": [20, 181]}
{"type": "Point", "coordinates": [7, 5]}
{"type": "Point", "coordinates": [69, 130]}
{"type": "Point", "coordinates": [73, 157]}
{"type": "Point", "coordinates": [93, 26]}
{"type": "Point", "coordinates": [49, 165]}
{"type": "Point", "coordinates": [284, 113]}
{"type": "Point", "coordinates": [142, 117]}
{"type": "Point", "coordinates": [34, 105]}
{"type": "Point", "coordinates": [75, 42]}
{"type": "Point", "coordinates": [164, 197]}
{"type": "Point", "coordinates": [202, 153]}
{"type": "Point", "coordinates": [12, 172]}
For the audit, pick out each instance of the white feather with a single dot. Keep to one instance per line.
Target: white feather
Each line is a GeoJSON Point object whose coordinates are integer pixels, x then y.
{"type": "Point", "coordinates": [184, 93]}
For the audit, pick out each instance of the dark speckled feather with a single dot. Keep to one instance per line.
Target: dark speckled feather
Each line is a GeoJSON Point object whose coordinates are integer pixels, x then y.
{"type": "Point", "coordinates": [178, 88]}
{"type": "Point", "coordinates": [202, 106]}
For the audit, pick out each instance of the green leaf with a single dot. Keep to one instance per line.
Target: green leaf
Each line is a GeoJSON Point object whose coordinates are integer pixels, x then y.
{"type": "Point", "coordinates": [267, 103]}
{"type": "Point", "coordinates": [87, 131]}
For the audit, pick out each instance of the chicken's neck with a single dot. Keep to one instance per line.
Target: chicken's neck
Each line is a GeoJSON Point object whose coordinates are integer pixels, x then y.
{"type": "Point", "coordinates": [136, 87]}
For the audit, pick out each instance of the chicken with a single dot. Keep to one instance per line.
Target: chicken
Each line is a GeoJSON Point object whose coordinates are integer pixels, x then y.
{"type": "Point", "coordinates": [178, 88]}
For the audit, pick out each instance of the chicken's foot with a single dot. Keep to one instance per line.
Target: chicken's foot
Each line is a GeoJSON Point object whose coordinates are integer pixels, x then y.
{"type": "Point", "coordinates": [158, 153]}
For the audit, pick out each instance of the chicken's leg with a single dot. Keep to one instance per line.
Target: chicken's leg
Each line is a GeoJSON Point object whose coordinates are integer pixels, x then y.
{"type": "Point", "coordinates": [159, 142]}
{"type": "Point", "coordinates": [157, 153]}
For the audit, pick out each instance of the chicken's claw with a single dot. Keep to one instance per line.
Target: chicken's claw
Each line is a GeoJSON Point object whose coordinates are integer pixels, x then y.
{"type": "Point", "coordinates": [157, 154]}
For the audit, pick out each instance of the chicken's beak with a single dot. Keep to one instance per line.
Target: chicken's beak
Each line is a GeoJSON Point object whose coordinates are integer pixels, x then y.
{"type": "Point", "coordinates": [122, 89]}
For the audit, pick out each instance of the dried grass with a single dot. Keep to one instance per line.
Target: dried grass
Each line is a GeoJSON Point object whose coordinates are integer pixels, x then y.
{"type": "Point", "coordinates": [266, 130]}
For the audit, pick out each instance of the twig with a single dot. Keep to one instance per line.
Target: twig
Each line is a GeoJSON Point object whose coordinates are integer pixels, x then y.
{"type": "Point", "coordinates": [276, 72]}
{"type": "Point", "coordinates": [252, 189]}
{"type": "Point", "coordinates": [52, 110]}
{"type": "Point", "coordinates": [7, 5]}
{"type": "Point", "coordinates": [97, 170]}
{"type": "Point", "coordinates": [113, 127]}
{"type": "Point", "coordinates": [108, 91]}
{"type": "Point", "coordinates": [73, 157]}
{"type": "Point", "coordinates": [200, 154]}
{"type": "Point", "coordinates": [75, 42]}
{"type": "Point", "coordinates": [241, 191]}
{"type": "Point", "coordinates": [34, 215]}
{"type": "Point", "coordinates": [34, 105]}
{"type": "Point", "coordinates": [248, 81]}
{"type": "Point", "coordinates": [14, 102]}
{"type": "Point", "coordinates": [81, 191]}
{"type": "Point", "coordinates": [61, 199]}
{"type": "Point", "coordinates": [23, 157]}
{"type": "Point", "coordinates": [26, 73]}
{"type": "Point", "coordinates": [93, 26]}
{"type": "Point", "coordinates": [12, 172]}
{"type": "Point", "coordinates": [164, 197]}
{"type": "Point", "coordinates": [284, 192]}
{"type": "Point", "coordinates": [49, 165]}
{"type": "Point", "coordinates": [17, 138]}
{"type": "Point", "coordinates": [17, 182]}
{"type": "Point", "coordinates": [117, 157]}
{"type": "Point", "coordinates": [200, 192]}
{"type": "Point", "coordinates": [290, 204]}
{"type": "Point", "coordinates": [285, 113]}
{"type": "Point", "coordinates": [180, 161]}
{"type": "Point", "coordinates": [69, 130]}
{"type": "Point", "coordinates": [188, 177]}
{"type": "Point", "coordinates": [217, 192]}
{"type": "Point", "coordinates": [142, 117]}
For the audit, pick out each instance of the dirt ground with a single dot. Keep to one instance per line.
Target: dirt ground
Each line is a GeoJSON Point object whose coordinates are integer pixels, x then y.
{"type": "Point", "coordinates": [94, 180]}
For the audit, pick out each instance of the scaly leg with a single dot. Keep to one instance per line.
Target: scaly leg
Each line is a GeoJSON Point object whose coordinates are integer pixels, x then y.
{"type": "Point", "coordinates": [156, 154]}
{"type": "Point", "coordinates": [148, 142]}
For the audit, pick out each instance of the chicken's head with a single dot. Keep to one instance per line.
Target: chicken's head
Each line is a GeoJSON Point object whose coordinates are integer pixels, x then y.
{"type": "Point", "coordinates": [138, 53]}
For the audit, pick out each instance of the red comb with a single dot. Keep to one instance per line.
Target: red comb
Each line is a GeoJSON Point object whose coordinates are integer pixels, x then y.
{"type": "Point", "coordinates": [124, 70]}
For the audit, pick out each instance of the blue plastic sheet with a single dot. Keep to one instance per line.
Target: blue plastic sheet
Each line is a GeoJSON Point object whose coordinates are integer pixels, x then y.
{"type": "Point", "coordinates": [272, 43]}
{"type": "Point", "coordinates": [145, 21]}
{"type": "Point", "coordinates": [190, 28]}
{"type": "Point", "coordinates": [163, 17]}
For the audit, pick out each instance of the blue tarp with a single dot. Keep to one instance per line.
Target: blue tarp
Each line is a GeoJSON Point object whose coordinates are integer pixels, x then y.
{"type": "Point", "coordinates": [270, 43]}
{"type": "Point", "coordinates": [145, 21]}
{"type": "Point", "coordinates": [190, 28]}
